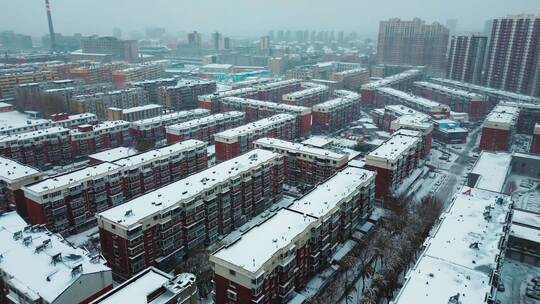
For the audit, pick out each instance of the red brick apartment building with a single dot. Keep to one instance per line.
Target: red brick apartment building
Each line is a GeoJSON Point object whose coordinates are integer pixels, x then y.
{"type": "Point", "coordinates": [13, 176]}
{"type": "Point", "coordinates": [304, 165]}
{"type": "Point", "coordinates": [535, 145]}
{"type": "Point", "coordinates": [154, 128]}
{"type": "Point", "coordinates": [498, 128]}
{"type": "Point", "coordinates": [162, 226]}
{"type": "Point", "coordinates": [280, 255]}
{"type": "Point", "coordinates": [183, 95]}
{"type": "Point", "coordinates": [205, 127]}
{"type": "Point", "coordinates": [385, 96]}
{"type": "Point", "coordinates": [68, 202]}
{"type": "Point", "coordinates": [88, 139]}
{"type": "Point", "coordinates": [423, 127]}
{"type": "Point", "coordinates": [258, 109]}
{"type": "Point", "coordinates": [135, 113]}
{"type": "Point", "coordinates": [311, 95]}
{"type": "Point", "coordinates": [272, 91]}
{"type": "Point", "coordinates": [233, 142]}
{"type": "Point", "coordinates": [38, 148]}
{"type": "Point", "coordinates": [393, 161]}
{"type": "Point", "coordinates": [72, 121]}
{"type": "Point", "coordinates": [458, 100]}
{"type": "Point", "coordinates": [336, 113]}
{"type": "Point", "coordinates": [401, 81]}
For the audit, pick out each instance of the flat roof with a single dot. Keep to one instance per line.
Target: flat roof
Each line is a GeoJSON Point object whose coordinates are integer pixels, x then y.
{"type": "Point", "coordinates": [215, 118]}
{"type": "Point", "coordinates": [391, 79]}
{"type": "Point", "coordinates": [394, 147]}
{"type": "Point", "coordinates": [299, 148]}
{"type": "Point", "coordinates": [317, 141]}
{"type": "Point", "coordinates": [11, 170]}
{"type": "Point", "coordinates": [421, 101]}
{"type": "Point", "coordinates": [114, 154]}
{"type": "Point", "coordinates": [525, 233]}
{"type": "Point", "coordinates": [266, 104]}
{"type": "Point", "coordinates": [35, 273]}
{"type": "Point", "coordinates": [450, 90]}
{"type": "Point", "coordinates": [139, 108]}
{"type": "Point", "coordinates": [256, 125]}
{"type": "Point", "coordinates": [34, 134]}
{"type": "Point", "coordinates": [157, 154]}
{"type": "Point", "coordinates": [526, 218]}
{"type": "Point", "coordinates": [493, 169]}
{"type": "Point", "coordinates": [163, 119]}
{"type": "Point", "coordinates": [325, 197]}
{"type": "Point", "coordinates": [260, 243]}
{"type": "Point", "coordinates": [185, 189]}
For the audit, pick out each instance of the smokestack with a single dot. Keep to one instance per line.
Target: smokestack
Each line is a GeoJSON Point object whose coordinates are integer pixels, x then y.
{"type": "Point", "coordinates": [51, 28]}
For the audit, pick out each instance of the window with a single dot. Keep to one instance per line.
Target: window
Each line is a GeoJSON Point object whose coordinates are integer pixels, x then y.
{"type": "Point", "coordinates": [113, 226]}
{"type": "Point", "coordinates": [232, 272]}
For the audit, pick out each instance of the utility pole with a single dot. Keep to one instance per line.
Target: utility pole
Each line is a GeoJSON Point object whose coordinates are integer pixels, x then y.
{"type": "Point", "coordinates": [51, 28]}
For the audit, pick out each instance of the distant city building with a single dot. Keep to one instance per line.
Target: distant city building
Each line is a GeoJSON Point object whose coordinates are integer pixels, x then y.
{"type": "Point", "coordinates": [264, 42]}
{"type": "Point", "coordinates": [139, 72]}
{"type": "Point", "coordinates": [135, 113]}
{"type": "Point", "coordinates": [513, 60]}
{"type": "Point", "coordinates": [99, 103]}
{"type": "Point", "coordinates": [183, 95]}
{"type": "Point", "coordinates": [195, 39]}
{"type": "Point", "coordinates": [217, 41]}
{"type": "Point", "coordinates": [120, 49]}
{"type": "Point", "coordinates": [466, 58]}
{"type": "Point", "coordinates": [412, 42]}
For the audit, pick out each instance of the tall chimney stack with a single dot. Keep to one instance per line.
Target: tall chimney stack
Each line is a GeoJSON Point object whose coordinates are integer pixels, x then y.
{"type": "Point", "coordinates": [51, 28]}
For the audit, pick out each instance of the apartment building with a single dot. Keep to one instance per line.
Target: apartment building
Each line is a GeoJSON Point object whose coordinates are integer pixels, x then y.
{"type": "Point", "coordinates": [394, 161]}
{"type": "Point", "coordinates": [13, 176]}
{"type": "Point", "coordinates": [160, 227]}
{"type": "Point", "coordinates": [513, 58]}
{"type": "Point", "coordinates": [498, 128]}
{"type": "Point", "coordinates": [139, 72]}
{"type": "Point", "coordinates": [401, 81]}
{"type": "Point", "coordinates": [412, 42]}
{"type": "Point", "coordinates": [311, 95]}
{"type": "Point", "coordinates": [304, 165]}
{"type": "Point", "coordinates": [387, 96]}
{"type": "Point", "coordinates": [204, 128]}
{"type": "Point", "coordinates": [8, 81]}
{"type": "Point", "coordinates": [41, 267]}
{"type": "Point", "coordinates": [295, 243]}
{"type": "Point", "coordinates": [17, 127]}
{"type": "Point", "coordinates": [97, 73]}
{"type": "Point", "coordinates": [38, 148]}
{"type": "Point", "coordinates": [212, 101]}
{"type": "Point", "coordinates": [135, 113]}
{"type": "Point", "coordinates": [99, 103]}
{"type": "Point", "coordinates": [351, 79]}
{"type": "Point", "coordinates": [475, 105]}
{"type": "Point", "coordinates": [494, 95]}
{"type": "Point", "coordinates": [88, 139]}
{"type": "Point", "coordinates": [535, 144]}
{"type": "Point", "coordinates": [126, 50]}
{"type": "Point", "coordinates": [236, 141]}
{"type": "Point", "coordinates": [183, 95]}
{"type": "Point", "coordinates": [154, 286]}
{"type": "Point", "coordinates": [334, 114]}
{"type": "Point", "coordinates": [154, 128]}
{"type": "Point", "coordinates": [152, 86]}
{"type": "Point", "coordinates": [274, 91]}
{"type": "Point", "coordinates": [415, 125]}
{"type": "Point", "coordinates": [72, 121]}
{"type": "Point", "coordinates": [466, 57]}
{"type": "Point", "coordinates": [258, 109]}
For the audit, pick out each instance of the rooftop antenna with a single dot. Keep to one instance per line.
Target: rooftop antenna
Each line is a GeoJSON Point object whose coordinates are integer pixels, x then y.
{"type": "Point", "coordinates": [51, 28]}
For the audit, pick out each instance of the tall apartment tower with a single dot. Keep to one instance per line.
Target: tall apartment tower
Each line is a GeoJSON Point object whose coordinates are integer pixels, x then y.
{"type": "Point", "coordinates": [466, 58]}
{"type": "Point", "coordinates": [217, 41]}
{"type": "Point", "coordinates": [127, 50]}
{"type": "Point", "coordinates": [513, 62]}
{"type": "Point", "coordinates": [264, 42]}
{"type": "Point", "coordinates": [412, 42]}
{"type": "Point", "coordinates": [195, 39]}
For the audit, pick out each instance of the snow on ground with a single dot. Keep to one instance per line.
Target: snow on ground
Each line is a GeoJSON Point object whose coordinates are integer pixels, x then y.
{"type": "Point", "coordinates": [515, 276]}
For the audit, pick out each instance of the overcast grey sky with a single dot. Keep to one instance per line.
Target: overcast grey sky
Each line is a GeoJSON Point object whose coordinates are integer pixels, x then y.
{"type": "Point", "coordinates": [246, 17]}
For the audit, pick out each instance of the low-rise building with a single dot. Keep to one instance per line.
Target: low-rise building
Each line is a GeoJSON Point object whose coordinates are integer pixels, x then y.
{"type": "Point", "coordinates": [449, 131]}
{"type": "Point", "coordinates": [88, 139]}
{"type": "Point", "coordinates": [386, 96]}
{"type": "Point", "coordinates": [160, 227]}
{"type": "Point", "coordinates": [336, 113]}
{"type": "Point", "coordinates": [458, 100]}
{"type": "Point", "coordinates": [98, 103]}
{"type": "Point", "coordinates": [135, 113]}
{"type": "Point", "coordinates": [401, 81]}
{"type": "Point", "coordinates": [304, 165]}
{"type": "Point", "coordinates": [393, 161]}
{"type": "Point", "coordinates": [205, 127]}
{"type": "Point", "coordinates": [281, 254]}
{"type": "Point", "coordinates": [154, 128]}
{"type": "Point", "coordinates": [351, 79]}
{"type": "Point", "coordinates": [154, 286]}
{"type": "Point", "coordinates": [13, 176]}
{"type": "Point", "coordinates": [72, 121]}
{"type": "Point", "coordinates": [311, 95]}
{"type": "Point", "coordinates": [38, 266]}
{"type": "Point", "coordinates": [498, 128]}
{"type": "Point", "coordinates": [152, 86]}
{"type": "Point", "coordinates": [233, 142]}
{"type": "Point", "coordinates": [183, 95]}
{"type": "Point", "coordinates": [258, 109]}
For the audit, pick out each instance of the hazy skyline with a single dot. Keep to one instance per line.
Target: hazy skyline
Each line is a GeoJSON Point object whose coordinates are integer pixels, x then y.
{"type": "Point", "coordinates": [246, 17]}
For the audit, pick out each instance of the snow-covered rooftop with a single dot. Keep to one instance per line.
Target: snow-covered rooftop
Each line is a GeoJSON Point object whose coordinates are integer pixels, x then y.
{"type": "Point", "coordinates": [313, 89]}
{"type": "Point", "coordinates": [114, 154]}
{"type": "Point", "coordinates": [526, 233]}
{"type": "Point", "coordinates": [260, 243]}
{"type": "Point", "coordinates": [390, 80]}
{"type": "Point", "coordinates": [394, 148]}
{"type": "Point", "coordinates": [266, 104]}
{"type": "Point", "coordinates": [256, 126]}
{"type": "Point", "coordinates": [322, 200]}
{"type": "Point", "coordinates": [158, 154]}
{"type": "Point", "coordinates": [35, 135]}
{"type": "Point", "coordinates": [409, 98]}
{"type": "Point", "coordinates": [11, 170]}
{"type": "Point", "coordinates": [174, 117]}
{"type": "Point", "coordinates": [41, 264]}
{"type": "Point", "coordinates": [318, 141]}
{"type": "Point", "coordinates": [14, 121]}
{"type": "Point", "coordinates": [139, 108]}
{"type": "Point", "coordinates": [183, 191]}
{"type": "Point", "coordinates": [525, 218]}
{"type": "Point", "coordinates": [492, 168]}
{"type": "Point", "coordinates": [205, 121]}
{"type": "Point", "coordinates": [449, 90]}
{"type": "Point", "coordinates": [72, 179]}
{"type": "Point", "coordinates": [298, 148]}
{"type": "Point", "coordinates": [230, 93]}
